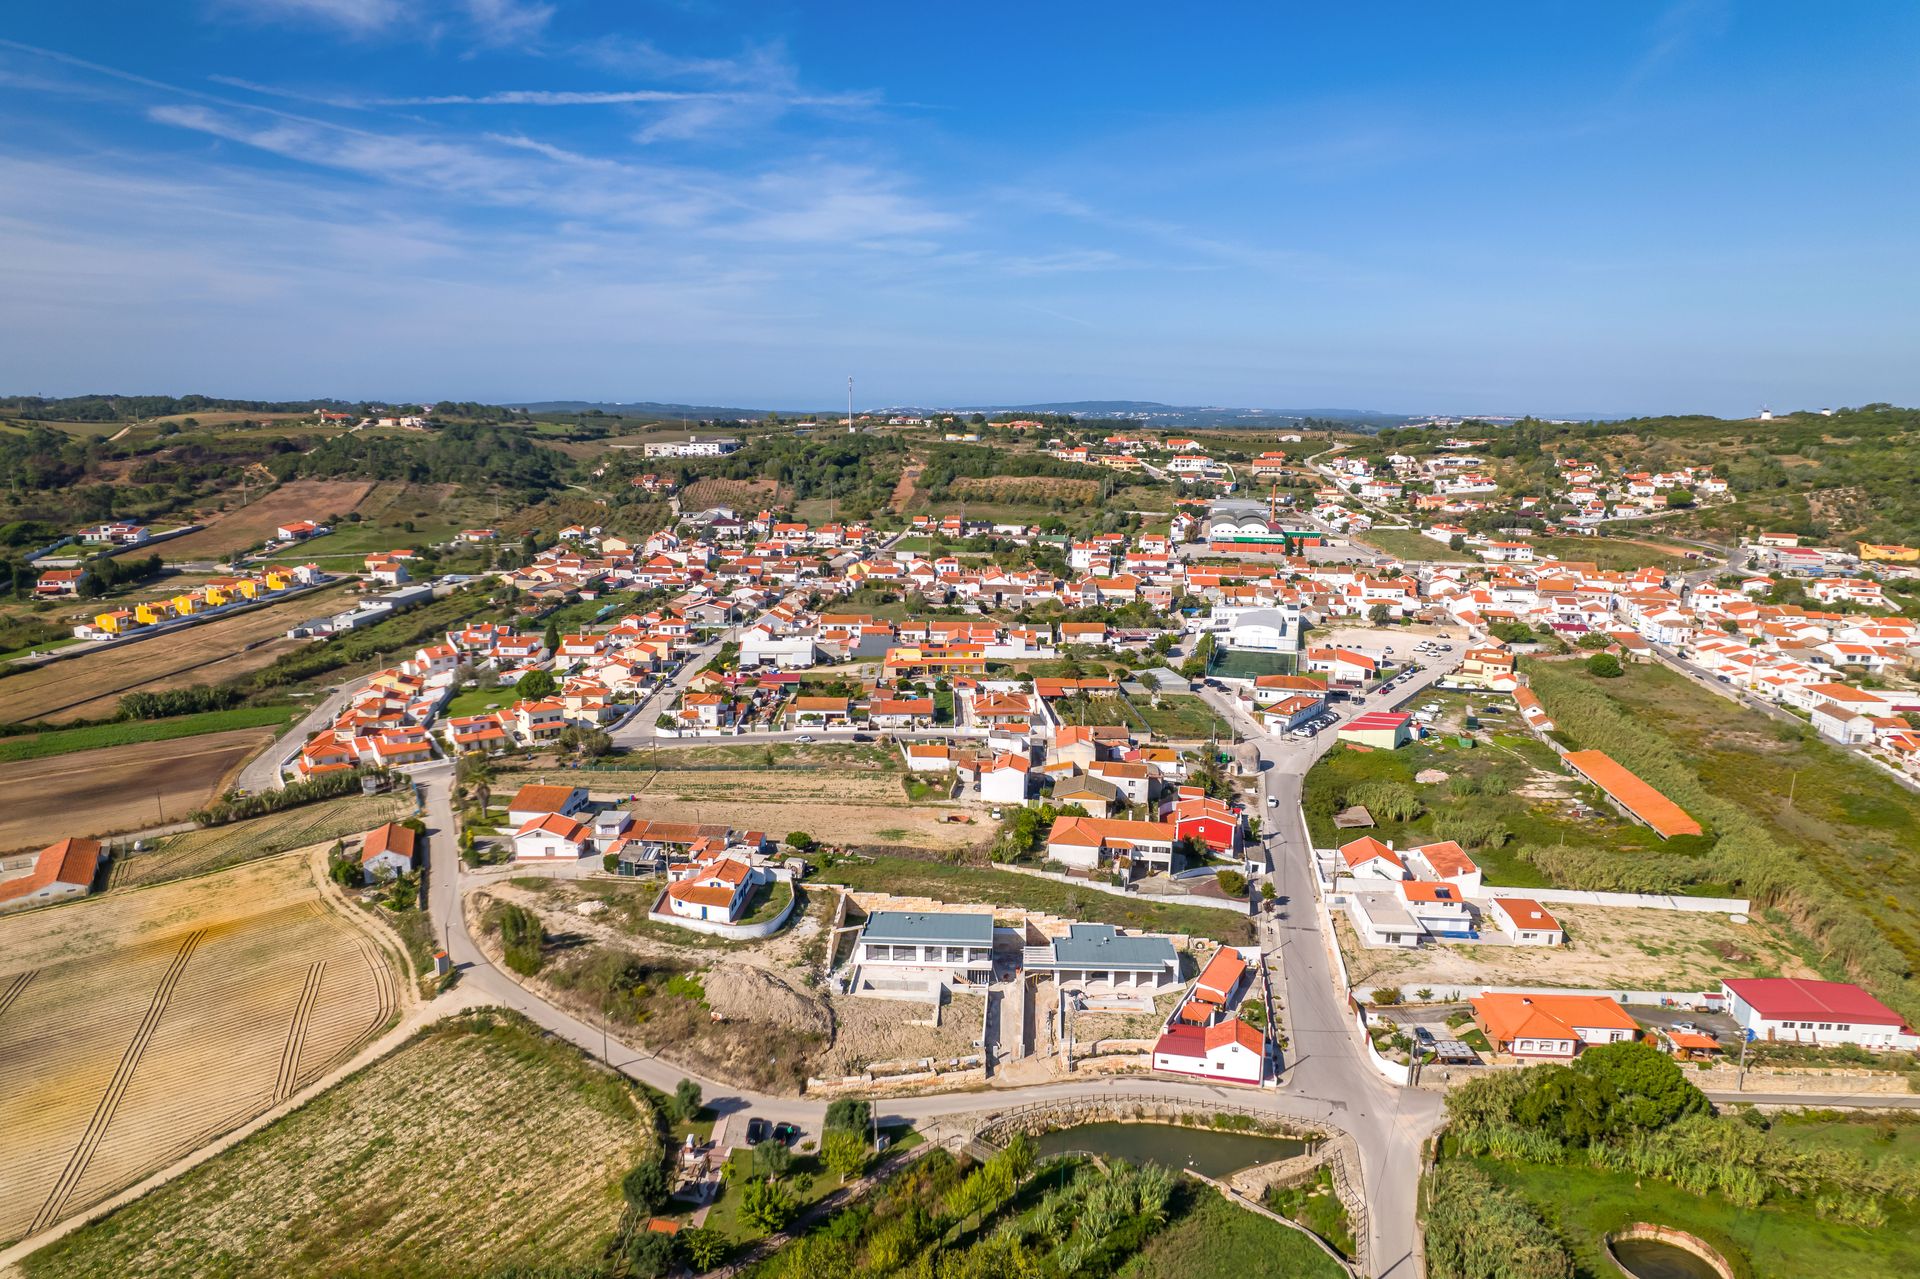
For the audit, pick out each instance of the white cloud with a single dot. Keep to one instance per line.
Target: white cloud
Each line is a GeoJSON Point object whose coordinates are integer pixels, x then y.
{"type": "Point", "coordinates": [355, 15]}
{"type": "Point", "coordinates": [508, 21]}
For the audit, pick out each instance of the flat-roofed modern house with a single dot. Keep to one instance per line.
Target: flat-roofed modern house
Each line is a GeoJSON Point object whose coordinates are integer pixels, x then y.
{"type": "Point", "coordinates": [901, 952]}
{"type": "Point", "coordinates": [1100, 958]}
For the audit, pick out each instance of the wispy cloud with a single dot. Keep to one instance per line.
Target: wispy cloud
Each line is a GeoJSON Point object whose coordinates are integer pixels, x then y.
{"type": "Point", "coordinates": [503, 22]}
{"type": "Point", "coordinates": [360, 16]}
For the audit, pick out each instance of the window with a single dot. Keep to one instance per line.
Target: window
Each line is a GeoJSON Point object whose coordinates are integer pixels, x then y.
{"type": "Point", "coordinates": [1826, 1025]}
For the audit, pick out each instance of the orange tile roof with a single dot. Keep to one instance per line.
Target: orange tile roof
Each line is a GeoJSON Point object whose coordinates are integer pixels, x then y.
{"type": "Point", "coordinates": [1508, 1017]}
{"type": "Point", "coordinates": [537, 798]}
{"type": "Point", "coordinates": [1221, 975]}
{"type": "Point", "coordinates": [1665, 817]}
{"type": "Point", "coordinates": [1234, 1031]}
{"type": "Point", "coordinates": [71, 861]}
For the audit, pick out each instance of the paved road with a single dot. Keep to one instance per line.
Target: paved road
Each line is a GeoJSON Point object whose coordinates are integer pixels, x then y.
{"type": "Point", "coordinates": [262, 772]}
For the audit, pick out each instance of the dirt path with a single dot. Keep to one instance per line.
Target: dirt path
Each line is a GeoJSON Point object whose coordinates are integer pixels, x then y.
{"type": "Point", "coordinates": [904, 490]}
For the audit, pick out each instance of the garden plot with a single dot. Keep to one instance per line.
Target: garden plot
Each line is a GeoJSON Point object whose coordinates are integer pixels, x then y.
{"type": "Point", "coordinates": [1608, 948]}
{"type": "Point", "coordinates": [135, 1028]}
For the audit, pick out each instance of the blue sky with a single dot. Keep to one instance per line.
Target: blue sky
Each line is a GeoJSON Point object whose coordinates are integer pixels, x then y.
{"type": "Point", "coordinates": [1534, 207]}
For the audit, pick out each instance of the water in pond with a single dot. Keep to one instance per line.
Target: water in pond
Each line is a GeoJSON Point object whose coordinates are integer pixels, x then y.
{"type": "Point", "coordinates": [1651, 1259]}
{"type": "Point", "coordinates": [1210, 1153]}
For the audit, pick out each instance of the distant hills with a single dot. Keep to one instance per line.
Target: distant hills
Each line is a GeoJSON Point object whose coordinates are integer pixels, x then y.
{"type": "Point", "coordinates": [1150, 412]}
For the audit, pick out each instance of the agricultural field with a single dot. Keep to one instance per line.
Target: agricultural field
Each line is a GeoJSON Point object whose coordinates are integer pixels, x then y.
{"type": "Point", "coordinates": [64, 741]}
{"type": "Point", "coordinates": [120, 788]}
{"type": "Point", "coordinates": [89, 686]}
{"type": "Point", "coordinates": [1612, 552]}
{"type": "Point", "coordinates": [1043, 490]}
{"type": "Point", "coordinates": [135, 1028]}
{"type": "Point", "coordinates": [199, 851]}
{"type": "Point", "coordinates": [245, 526]}
{"type": "Point", "coordinates": [746, 497]}
{"type": "Point", "coordinates": [435, 512]}
{"type": "Point", "coordinates": [479, 1144]}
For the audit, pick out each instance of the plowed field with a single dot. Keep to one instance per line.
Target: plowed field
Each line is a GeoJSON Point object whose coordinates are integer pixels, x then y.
{"type": "Point", "coordinates": [137, 1027]}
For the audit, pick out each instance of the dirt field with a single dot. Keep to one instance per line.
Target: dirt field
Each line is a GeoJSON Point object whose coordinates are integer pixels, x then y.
{"type": "Point", "coordinates": [89, 687]}
{"type": "Point", "coordinates": [256, 521]}
{"type": "Point", "coordinates": [121, 788]}
{"type": "Point", "coordinates": [136, 1027]}
{"type": "Point", "coordinates": [477, 1145]}
{"type": "Point", "coordinates": [835, 807]}
{"type": "Point", "coordinates": [1606, 947]}
{"type": "Point", "coordinates": [870, 1030]}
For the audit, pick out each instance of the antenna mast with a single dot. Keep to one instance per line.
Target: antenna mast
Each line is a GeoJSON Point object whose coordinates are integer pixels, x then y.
{"type": "Point", "coordinates": [849, 404]}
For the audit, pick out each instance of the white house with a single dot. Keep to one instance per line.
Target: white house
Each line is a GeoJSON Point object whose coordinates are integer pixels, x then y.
{"type": "Point", "coordinates": [926, 946]}
{"type": "Point", "coordinates": [714, 890]}
{"type": "Point", "coordinates": [1817, 1012]}
{"type": "Point", "coordinates": [553, 837]}
{"type": "Point", "coordinates": [62, 870]}
{"type": "Point", "coordinates": [1229, 1050]}
{"type": "Point", "coordinates": [1525, 922]}
{"type": "Point", "coordinates": [387, 851]}
{"type": "Point", "coordinates": [1004, 780]}
{"type": "Point", "coordinates": [1381, 918]}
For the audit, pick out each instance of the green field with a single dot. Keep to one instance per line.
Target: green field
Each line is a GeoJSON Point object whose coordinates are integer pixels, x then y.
{"type": "Point", "coordinates": [1608, 553]}
{"type": "Point", "coordinates": [1208, 1236]}
{"type": "Point", "coordinates": [1477, 805]}
{"type": "Point", "coordinates": [1815, 831]}
{"type": "Point", "coordinates": [1238, 663]}
{"type": "Point", "coordinates": [1181, 716]}
{"type": "Point", "coordinates": [1773, 1241]}
{"type": "Point", "coordinates": [93, 737]}
{"type": "Point", "coordinates": [478, 1144]}
{"type": "Point", "coordinates": [945, 882]}
{"type": "Point", "coordinates": [1410, 545]}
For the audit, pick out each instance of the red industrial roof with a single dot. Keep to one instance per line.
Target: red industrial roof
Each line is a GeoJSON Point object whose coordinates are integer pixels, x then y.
{"type": "Point", "coordinates": [1665, 817]}
{"type": "Point", "coordinates": [1791, 998]}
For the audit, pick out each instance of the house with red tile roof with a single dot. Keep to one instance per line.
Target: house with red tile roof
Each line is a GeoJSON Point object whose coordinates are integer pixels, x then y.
{"type": "Point", "coordinates": [387, 851]}
{"type": "Point", "coordinates": [1542, 1026]}
{"type": "Point", "coordinates": [553, 837]}
{"type": "Point", "coordinates": [60, 871]}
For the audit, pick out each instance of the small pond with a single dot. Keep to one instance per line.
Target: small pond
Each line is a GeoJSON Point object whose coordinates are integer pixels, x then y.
{"type": "Point", "coordinates": [1206, 1151]}
{"type": "Point", "coordinates": [1652, 1259]}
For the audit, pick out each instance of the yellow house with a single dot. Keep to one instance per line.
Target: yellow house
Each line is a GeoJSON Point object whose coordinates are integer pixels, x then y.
{"type": "Point", "coordinates": [1889, 554]}
{"type": "Point", "coordinates": [114, 623]}
{"type": "Point", "coordinates": [247, 587]}
{"type": "Point", "coordinates": [278, 581]}
{"type": "Point", "coordinates": [185, 604]}
{"type": "Point", "coordinates": [216, 595]}
{"type": "Point", "coordinates": [148, 614]}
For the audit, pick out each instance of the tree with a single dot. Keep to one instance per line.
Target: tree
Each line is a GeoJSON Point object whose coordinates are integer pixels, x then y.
{"type": "Point", "coordinates": [537, 684]}
{"type": "Point", "coordinates": [521, 936]}
{"type": "Point", "coordinates": [1649, 1090]}
{"type": "Point", "coordinates": [552, 638]}
{"type": "Point", "coordinates": [1605, 666]}
{"type": "Point", "coordinates": [1679, 499]}
{"type": "Point", "coordinates": [854, 1113]}
{"type": "Point", "coordinates": [767, 1206]}
{"type": "Point", "coordinates": [844, 1151]}
{"type": "Point", "coordinates": [704, 1247]}
{"type": "Point", "coordinates": [686, 1101]}
{"type": "Point", "coordinates": [799, 841]}
{"type": "Point", "coordinates": [1594, 640]}
{"type": "Point", "coordinates": [1379, 615]}
{"type": "Point", "coordinates": [648, 1253]}
{"type": "Point", "coordinates": [772, 1160]}
{"type": "Point", "coordinates": [587, 743]}
{"type": "Point", "coordinates": [1231, 882]}
{"type": "Point", "coordinates": [645, 1187]}
{"type": "Point", "coordinates": [475, 771]}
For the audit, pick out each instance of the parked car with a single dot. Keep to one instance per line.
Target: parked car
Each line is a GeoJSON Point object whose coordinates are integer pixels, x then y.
{"type": "Point", "coordinates": [804, 738]}
{"type": "Point", "coordinates": [1422, 1036]}
{"type": "Point", "coordinates": [756, 1131]}
{"type": "Point", "coordinates": [1273, 801]}
{"type": "Point", "coordinates": [786, 1134]}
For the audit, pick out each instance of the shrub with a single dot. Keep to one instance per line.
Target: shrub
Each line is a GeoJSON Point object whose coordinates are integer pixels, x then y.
{"type": "Point", "coordinates": [521, 936]}
{"type": "Point", "coordinates": [645, 1187]}
{"type": "Point", "coordinates": [1605, 665]}
{"type": "Point", "coordinates": [1478, 1229]}
{"type": "Point", "coordinates": [1232, 883]}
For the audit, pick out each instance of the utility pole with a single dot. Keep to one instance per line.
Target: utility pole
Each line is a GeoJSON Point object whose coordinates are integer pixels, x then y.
{"type": "Point", "coordinates": [849, 404]}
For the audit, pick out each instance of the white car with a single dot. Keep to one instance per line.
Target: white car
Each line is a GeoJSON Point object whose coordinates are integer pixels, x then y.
{"type": "Point", "coordinates": [804, 737]}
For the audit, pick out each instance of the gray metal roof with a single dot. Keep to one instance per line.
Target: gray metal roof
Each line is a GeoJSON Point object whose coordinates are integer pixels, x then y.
{"type": "Point", "coordinates": [1102, 946]}
{"type": "Point", "coordinates": [913, 927]}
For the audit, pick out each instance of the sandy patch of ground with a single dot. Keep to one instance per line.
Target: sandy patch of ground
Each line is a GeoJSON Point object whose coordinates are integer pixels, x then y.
{"type": "Point", "coordinates": [885, 1030]}
{"type": "Point", "coordinates": [1606, 947]}
{"type": "Point", "coordinates": [119, 788]}
{"type": "Point", "coordinates": [1091, 1026]}
{"type": "Point", "coordinates": [135, 1027]}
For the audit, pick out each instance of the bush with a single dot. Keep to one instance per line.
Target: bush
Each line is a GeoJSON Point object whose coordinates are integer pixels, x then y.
{"type": "Point", "coordinates": [799, 841]}
{"type": "Point", "coordinates": [1478, 1229]}
{"type": "Point", "coordinates": [234, 807]}
{"type": "Point", "coordinates": [1232, 883]}
{"type": "Point", "coordinates": [645, 1187]}
{"type": "Point", "coordinates": [1605, 666]}
{"type": "Point", "coordinates": [849, 1112]}
{"type": "Point", "coordinates": [685, 1105]}
{"type": "Point", "coordinates": [521, 936]}
{"type": "Point", "coordinates": [1386, 996]}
